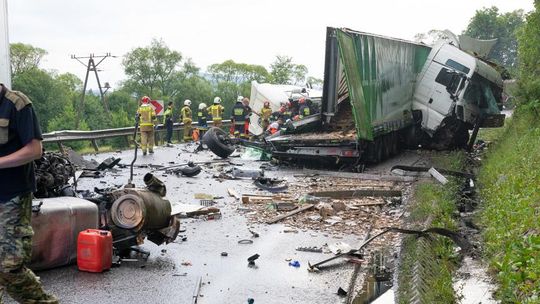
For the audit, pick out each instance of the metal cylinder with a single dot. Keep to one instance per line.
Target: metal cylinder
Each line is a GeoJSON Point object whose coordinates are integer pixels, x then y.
{"type": "Point", "coordinates": [154, 184]}
{"type": "Point", "coordinates": [140, 209]}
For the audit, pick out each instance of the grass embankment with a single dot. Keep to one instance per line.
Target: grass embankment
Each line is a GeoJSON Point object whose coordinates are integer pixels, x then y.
{"type": "Point", "coordinates": [510, 188]}
{"type": "Point", "coordinates": [427, 265]}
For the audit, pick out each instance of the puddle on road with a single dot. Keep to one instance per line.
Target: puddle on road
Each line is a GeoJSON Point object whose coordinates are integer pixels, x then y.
{"type": "Point", "coordinates": [372, 289]}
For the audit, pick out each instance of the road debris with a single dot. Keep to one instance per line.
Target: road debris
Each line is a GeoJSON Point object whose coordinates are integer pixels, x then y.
{"type": "Point", "coordinates": [253, 258]}
{"type": "Point", "coordinates": [233, 193]}
{"type": "Point", "coordinates": [270, 184]}
{"type": "Point", "coordinates": [196, 291]}
{"type": "Point", "coordinates": [245, 241]}
{"type": "Point", "coordinates": [288, 214]}
{"type": "Point", "coordinates": [310, 249]}
{"type": "Point", "coordinates": [295, 264]}
{"type": "Point", "coordinates": [224, 254]}
{"type": "Point", "coordinates": [438, 176]}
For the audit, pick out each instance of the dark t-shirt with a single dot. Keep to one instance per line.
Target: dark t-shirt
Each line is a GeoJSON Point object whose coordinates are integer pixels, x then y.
{"type": "Point", "coordinates": [18, 127]}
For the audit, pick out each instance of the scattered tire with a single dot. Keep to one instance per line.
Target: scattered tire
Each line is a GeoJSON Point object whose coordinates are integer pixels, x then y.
{"type": "Point", "coordinates": [217, 141]}
{"type": "Point", "coordinates": [190, 171]}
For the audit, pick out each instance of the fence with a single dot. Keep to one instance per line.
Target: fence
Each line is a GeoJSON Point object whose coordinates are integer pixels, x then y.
{"type": "Point", "coordinates": [60, 137]}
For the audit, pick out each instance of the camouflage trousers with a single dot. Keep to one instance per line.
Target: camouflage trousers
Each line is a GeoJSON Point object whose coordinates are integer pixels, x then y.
{"type": "Point", "coordinates": [16, 251]}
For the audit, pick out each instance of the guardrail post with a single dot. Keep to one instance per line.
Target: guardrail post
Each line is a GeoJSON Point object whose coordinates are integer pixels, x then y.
{"type": "Point", "coordinates": [61, 147]}
{"type": "Point", "coordinates": [95, 145]}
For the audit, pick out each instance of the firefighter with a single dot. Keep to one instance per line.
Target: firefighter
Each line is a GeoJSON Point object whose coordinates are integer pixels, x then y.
{"type": "Point", "coordinates": [186, 120]}
{"type": "Point", "coordinates": [287, 112]}
{"type": "Point", "coordinates": [147, 118]}
{"type": "Point", "coordinates": [305, 109]}
{"type": "Point", "coordinates": [201, 119]}
{"type": "Point", "coordinates": [245, 102]}
{"type": "Point", "coordinates": [216, 111]}
{"type": "Point", "coordinates": [168, 122]}
{"type": "Point", "coordinates": [238, 117]}
{"type": "Point", "coordinates": [266, 113]}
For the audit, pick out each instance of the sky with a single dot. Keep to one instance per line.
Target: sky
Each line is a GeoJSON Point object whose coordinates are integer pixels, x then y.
{"type": "Point", "coordinates": [212, 31]}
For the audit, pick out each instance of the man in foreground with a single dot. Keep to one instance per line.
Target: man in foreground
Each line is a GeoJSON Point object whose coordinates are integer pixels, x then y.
{"type": "Point", "coordinates": [20, 145]}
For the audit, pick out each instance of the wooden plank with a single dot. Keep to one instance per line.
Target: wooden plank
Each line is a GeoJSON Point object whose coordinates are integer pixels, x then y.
{"type": "Point", "coordinates": [233, 193]}
{"type": "Point", "coordinates": [289, 214]}
{"type": "Point", "coordinates": [357, 193]}
{"type": "Point", "coordinates": [263, 199]}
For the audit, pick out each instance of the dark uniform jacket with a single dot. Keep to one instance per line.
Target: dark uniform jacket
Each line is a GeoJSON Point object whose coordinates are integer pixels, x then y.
{"type": "Point", "coordinates": [239, 113]}
{"type": "Point", "coordinates": [18, 127]}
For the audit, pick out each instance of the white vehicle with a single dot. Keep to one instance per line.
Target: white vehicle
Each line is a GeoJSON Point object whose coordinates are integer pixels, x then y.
{"type": "Point", "coordinates": [456, 90]}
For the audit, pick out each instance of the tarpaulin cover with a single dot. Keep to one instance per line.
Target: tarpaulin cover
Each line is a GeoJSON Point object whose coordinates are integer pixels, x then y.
{"type": "Point", "coordinates": [381, 74]}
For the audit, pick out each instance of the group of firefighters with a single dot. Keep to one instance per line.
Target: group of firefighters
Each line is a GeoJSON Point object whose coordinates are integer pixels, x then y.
{"type": "Point", "coordinates": [271, 122]}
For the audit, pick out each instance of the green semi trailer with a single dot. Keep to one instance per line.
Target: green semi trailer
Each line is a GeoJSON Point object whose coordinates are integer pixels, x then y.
{"type": "Point", "coordinates": [381, 94]}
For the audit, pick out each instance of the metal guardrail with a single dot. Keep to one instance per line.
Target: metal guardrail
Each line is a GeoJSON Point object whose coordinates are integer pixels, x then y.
{"type": "Point", "coordinates": [74, 135]}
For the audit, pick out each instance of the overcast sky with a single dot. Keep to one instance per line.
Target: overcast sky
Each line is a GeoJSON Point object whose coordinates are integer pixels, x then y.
{"type": "Point", "coordinates": [212, 31]}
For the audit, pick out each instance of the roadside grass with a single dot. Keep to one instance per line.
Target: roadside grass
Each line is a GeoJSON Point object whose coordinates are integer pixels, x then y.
{"type": "Point", "coordinates": [434, 204]}
{"type": "Point", "coordinates": [510, 188]}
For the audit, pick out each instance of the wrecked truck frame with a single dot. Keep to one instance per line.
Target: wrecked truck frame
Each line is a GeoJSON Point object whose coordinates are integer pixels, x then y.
{"type": "Point", "coordinates": [382, 94]}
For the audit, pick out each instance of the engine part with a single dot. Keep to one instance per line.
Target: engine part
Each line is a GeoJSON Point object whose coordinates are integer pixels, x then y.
{"type": "Point", "coordinates": [139, 209]}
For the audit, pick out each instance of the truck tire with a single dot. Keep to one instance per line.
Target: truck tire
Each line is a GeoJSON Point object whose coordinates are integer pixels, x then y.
{"type": "Point", "coordinates": [217, 141]}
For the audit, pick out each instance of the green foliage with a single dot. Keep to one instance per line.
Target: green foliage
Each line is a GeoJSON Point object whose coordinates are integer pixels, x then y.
{"type": "Point", "coordinates": [509, 180]}
{"type": "Point", "coordinates": [152, 70]}
{"type": "Point", "coordinates": [529, 56]}
{"type": "Point", "coordinates": [49, 97]}
{"type": "Point", "coordinates": [24, 57]}
{"type": "Point", "coordinates": [435, 202]}
{"type": "Point", "coordinates": [67, 120]}
{"type": "Point", "coordinates": [238, 73]}
{"type": "Point", "coordinates": [284, 71]}
{"type": "Point", "coordinates": [488, 23]}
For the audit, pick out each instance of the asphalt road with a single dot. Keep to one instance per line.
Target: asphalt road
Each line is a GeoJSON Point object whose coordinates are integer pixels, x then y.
{"type": "Point", "coordinates": [163, 278]}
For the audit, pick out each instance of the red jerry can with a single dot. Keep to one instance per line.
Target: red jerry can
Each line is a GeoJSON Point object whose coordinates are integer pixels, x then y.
{"type": "Point", "coordinates": [94, 250]}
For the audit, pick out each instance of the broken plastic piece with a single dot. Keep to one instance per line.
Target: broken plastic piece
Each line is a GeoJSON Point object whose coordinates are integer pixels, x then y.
{"type": "Point", "coordinates": [294, 264]}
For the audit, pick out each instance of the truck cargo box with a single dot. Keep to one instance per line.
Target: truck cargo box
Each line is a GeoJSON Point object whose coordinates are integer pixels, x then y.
{"type": "Point", "coordinates": [57, 223]}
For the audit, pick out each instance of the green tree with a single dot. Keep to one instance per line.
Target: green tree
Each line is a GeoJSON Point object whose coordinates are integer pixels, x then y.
{"type": "Point", "coordinates": [238, 73]}
{"type": "Point", "coordinates": [24, 57]}
{"type": "Point", "coordinates": [49, 96]}
{"type": "Point", "coordinates": [488, 23]}
{"type": "Point", "coordinates": [529, 57]}
{"type": "Point", "coordinates": [67, 120]}
{"type": "Point", "coordinates": [150, 69]}
{"type": "Point", "coordinates": [284, 71]}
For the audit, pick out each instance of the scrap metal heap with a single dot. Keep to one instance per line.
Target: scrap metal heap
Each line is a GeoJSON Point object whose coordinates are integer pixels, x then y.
{"type": "Point", "coordinates": [131, 214]}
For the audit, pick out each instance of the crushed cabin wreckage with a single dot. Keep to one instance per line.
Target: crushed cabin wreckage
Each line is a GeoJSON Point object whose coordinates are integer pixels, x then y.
{"type": "Point", "coordinates": [374, 105]}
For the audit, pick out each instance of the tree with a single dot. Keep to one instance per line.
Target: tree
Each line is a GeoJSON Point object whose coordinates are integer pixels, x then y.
{"type": "Point", "coordinates": [151, 70]}
{"type": "Point", "coordinates": [238, 73]}
{"type": "Point", "coordinates": [529, 57]}
{"type": "Point", "coordinates": [24, 57]}
{"type": "Point", "coordinates": [49, 97]}
{"type": "Point", "coordinates": [488, 23]}
{"type": "Point", "coordinates": [284, 71]}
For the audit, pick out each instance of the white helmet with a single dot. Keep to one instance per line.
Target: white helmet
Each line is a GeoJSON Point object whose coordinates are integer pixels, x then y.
{"type": "Point", "coordinates": [187, 102]}
{"type": "Point", "coordinates": [217, 100]}
{"type": "Point", "coordinates": [202, 105]}
{"type": "Point", "coordinates": [239, 98]}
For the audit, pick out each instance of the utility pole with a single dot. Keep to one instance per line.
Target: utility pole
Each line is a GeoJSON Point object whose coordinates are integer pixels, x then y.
{"type": "Point", "coordinates": [92, 66]}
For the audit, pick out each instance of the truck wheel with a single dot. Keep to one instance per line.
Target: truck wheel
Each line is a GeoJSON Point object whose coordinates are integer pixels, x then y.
{"type": "Point", "coordinates": [218, 142]}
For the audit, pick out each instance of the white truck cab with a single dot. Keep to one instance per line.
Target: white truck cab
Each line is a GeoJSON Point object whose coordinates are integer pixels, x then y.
{"type": "Point", "coordinates": [454, 85]}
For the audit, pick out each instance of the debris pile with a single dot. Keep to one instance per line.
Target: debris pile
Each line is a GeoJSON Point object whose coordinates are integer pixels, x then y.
{"type": "Point", "coordinates": [53, 172]}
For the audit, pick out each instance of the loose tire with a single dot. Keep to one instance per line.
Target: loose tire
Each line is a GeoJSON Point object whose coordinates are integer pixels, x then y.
{"type": "Point", "coordinates": [216, 140]}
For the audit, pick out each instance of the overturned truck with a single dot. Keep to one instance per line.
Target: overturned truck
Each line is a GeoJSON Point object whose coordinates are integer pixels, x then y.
{"type": "Point", "coordinates": [382, 94]}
